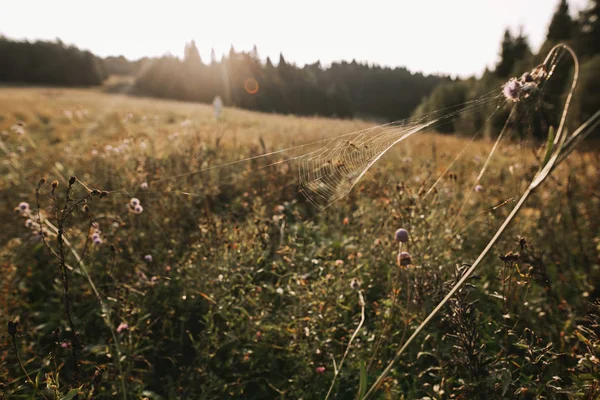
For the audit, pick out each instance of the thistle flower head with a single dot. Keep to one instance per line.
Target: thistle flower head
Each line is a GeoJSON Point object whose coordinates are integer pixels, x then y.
{"type": "Point", "coordinates": [134, 202]}
{"type": "Point", "coordinates": [401, 235]}
{"type": "Point", "coordinates": [23, 206]}
{"type": "Point", "coordinates": [478, 188]}
{"type": "Point", "coordinates": [512, 90]}
{"type": "Point", "coordinates": [138, 209]}
{"type": "Point", "coordinates": [97, 241]}
{"type": "Point", "coordinates": [144, 186]}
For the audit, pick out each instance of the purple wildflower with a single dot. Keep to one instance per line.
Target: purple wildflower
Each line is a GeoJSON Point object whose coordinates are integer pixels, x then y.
{"type": "Point", "coordinates": [138, 209]}
{"type": "Point", "coordinates": [134, 202]}
{"type": "Point", "coordinates": [23, 206]}
{"type": "Point", "coordinates": [512, 90]}
{"type": "Point", "coordinates": [148, 258]}
{"type": "Point", "coordinates": [478, 188]}
{"type": "Point", "coordinates": [401, 235]}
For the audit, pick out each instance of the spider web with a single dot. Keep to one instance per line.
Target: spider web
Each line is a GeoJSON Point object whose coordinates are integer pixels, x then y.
{"type": "Point", "coordinates": [330, 172]}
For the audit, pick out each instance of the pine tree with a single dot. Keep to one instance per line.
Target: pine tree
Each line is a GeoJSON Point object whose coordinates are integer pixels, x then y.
{"type": "Point", "coordinates": [506, 56]}
{"type": "Point", "coordinates": [561, 26]}
{"type": "Point", "coordinates": [588, 35]}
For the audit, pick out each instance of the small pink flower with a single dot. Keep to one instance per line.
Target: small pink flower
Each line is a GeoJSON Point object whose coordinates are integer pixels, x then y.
{"type": "Point", "coordinates": [134, 202]}
{"type": "Point", "coordinates": [148, 258]}
{"type": "Point", "coordinates": [320, 370]}
{"type": "Point", "coordinates": [122, 327]}
{"type": "Point", "coordinates": [478, 188]}
{"type": "Point", "coordinates": [339, 263]}
{"type": "Point", "coordinates": [144, 186]}
{"type": "Point", "coordinates": [23, 206]}
{"type": "Point", "coordinates": [138, 209]}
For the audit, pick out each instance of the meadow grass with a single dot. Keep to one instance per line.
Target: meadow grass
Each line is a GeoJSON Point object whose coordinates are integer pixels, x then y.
{"type": "Point", "coordinates": [230, 284]}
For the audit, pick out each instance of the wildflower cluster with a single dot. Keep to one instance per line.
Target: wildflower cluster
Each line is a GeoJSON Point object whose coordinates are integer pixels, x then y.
{"type": "Point", "coordinates": [524, 87]}
{"type": "Point", "coordinates": [135, 206]}
{"type": "Point", "coordinates": [95, 235]}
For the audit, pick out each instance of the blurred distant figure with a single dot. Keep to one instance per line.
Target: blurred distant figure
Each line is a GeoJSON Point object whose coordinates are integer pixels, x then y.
{"type": "Point", "coordinates": [217, 107]}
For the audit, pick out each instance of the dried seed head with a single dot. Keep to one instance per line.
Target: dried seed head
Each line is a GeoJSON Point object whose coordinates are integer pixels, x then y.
{"type": "Point", "coordinates": [355, 284]}
{"type": "Point", "coordinates": [104, 193]}
{"type": "Point", "coordinates": [12, 328]}
{"type": "Point", "coordinates": [54, 184]}
{"type": "Point", "coordinates": [72, 180]}
{"type": "Point", "coordinates": [95, 192]}
{"type": "Point", "coordinates": [85, 208]}
{"type": "Point", "coordinates": [401, 235]}
{"type": "Point", "coordinates": [113, 248]}
{"type": "Point", "coordinates": [404, 259]}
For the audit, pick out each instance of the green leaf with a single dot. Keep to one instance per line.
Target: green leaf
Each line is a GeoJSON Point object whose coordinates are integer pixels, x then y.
{"type": "Point", "coordinates": [362, 385]}
{"type": "Point", "coordinates": [71, 395]}
{"type": "Point", "coordinates": [37, 379]}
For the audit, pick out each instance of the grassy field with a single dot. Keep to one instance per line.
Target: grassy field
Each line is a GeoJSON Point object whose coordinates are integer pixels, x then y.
{"type": "Point", "coordinates": [230, 284]}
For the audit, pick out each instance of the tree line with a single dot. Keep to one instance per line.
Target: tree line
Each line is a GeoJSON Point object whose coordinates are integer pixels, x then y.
{"type": "Point", "coordinates": [43, 62]}
{"type": "Point", "coordinates": [242, 80]}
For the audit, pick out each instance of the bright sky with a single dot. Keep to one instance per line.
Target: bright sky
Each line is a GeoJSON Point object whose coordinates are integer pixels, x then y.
{"type": "Point", "coordinates": [458, 37]}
